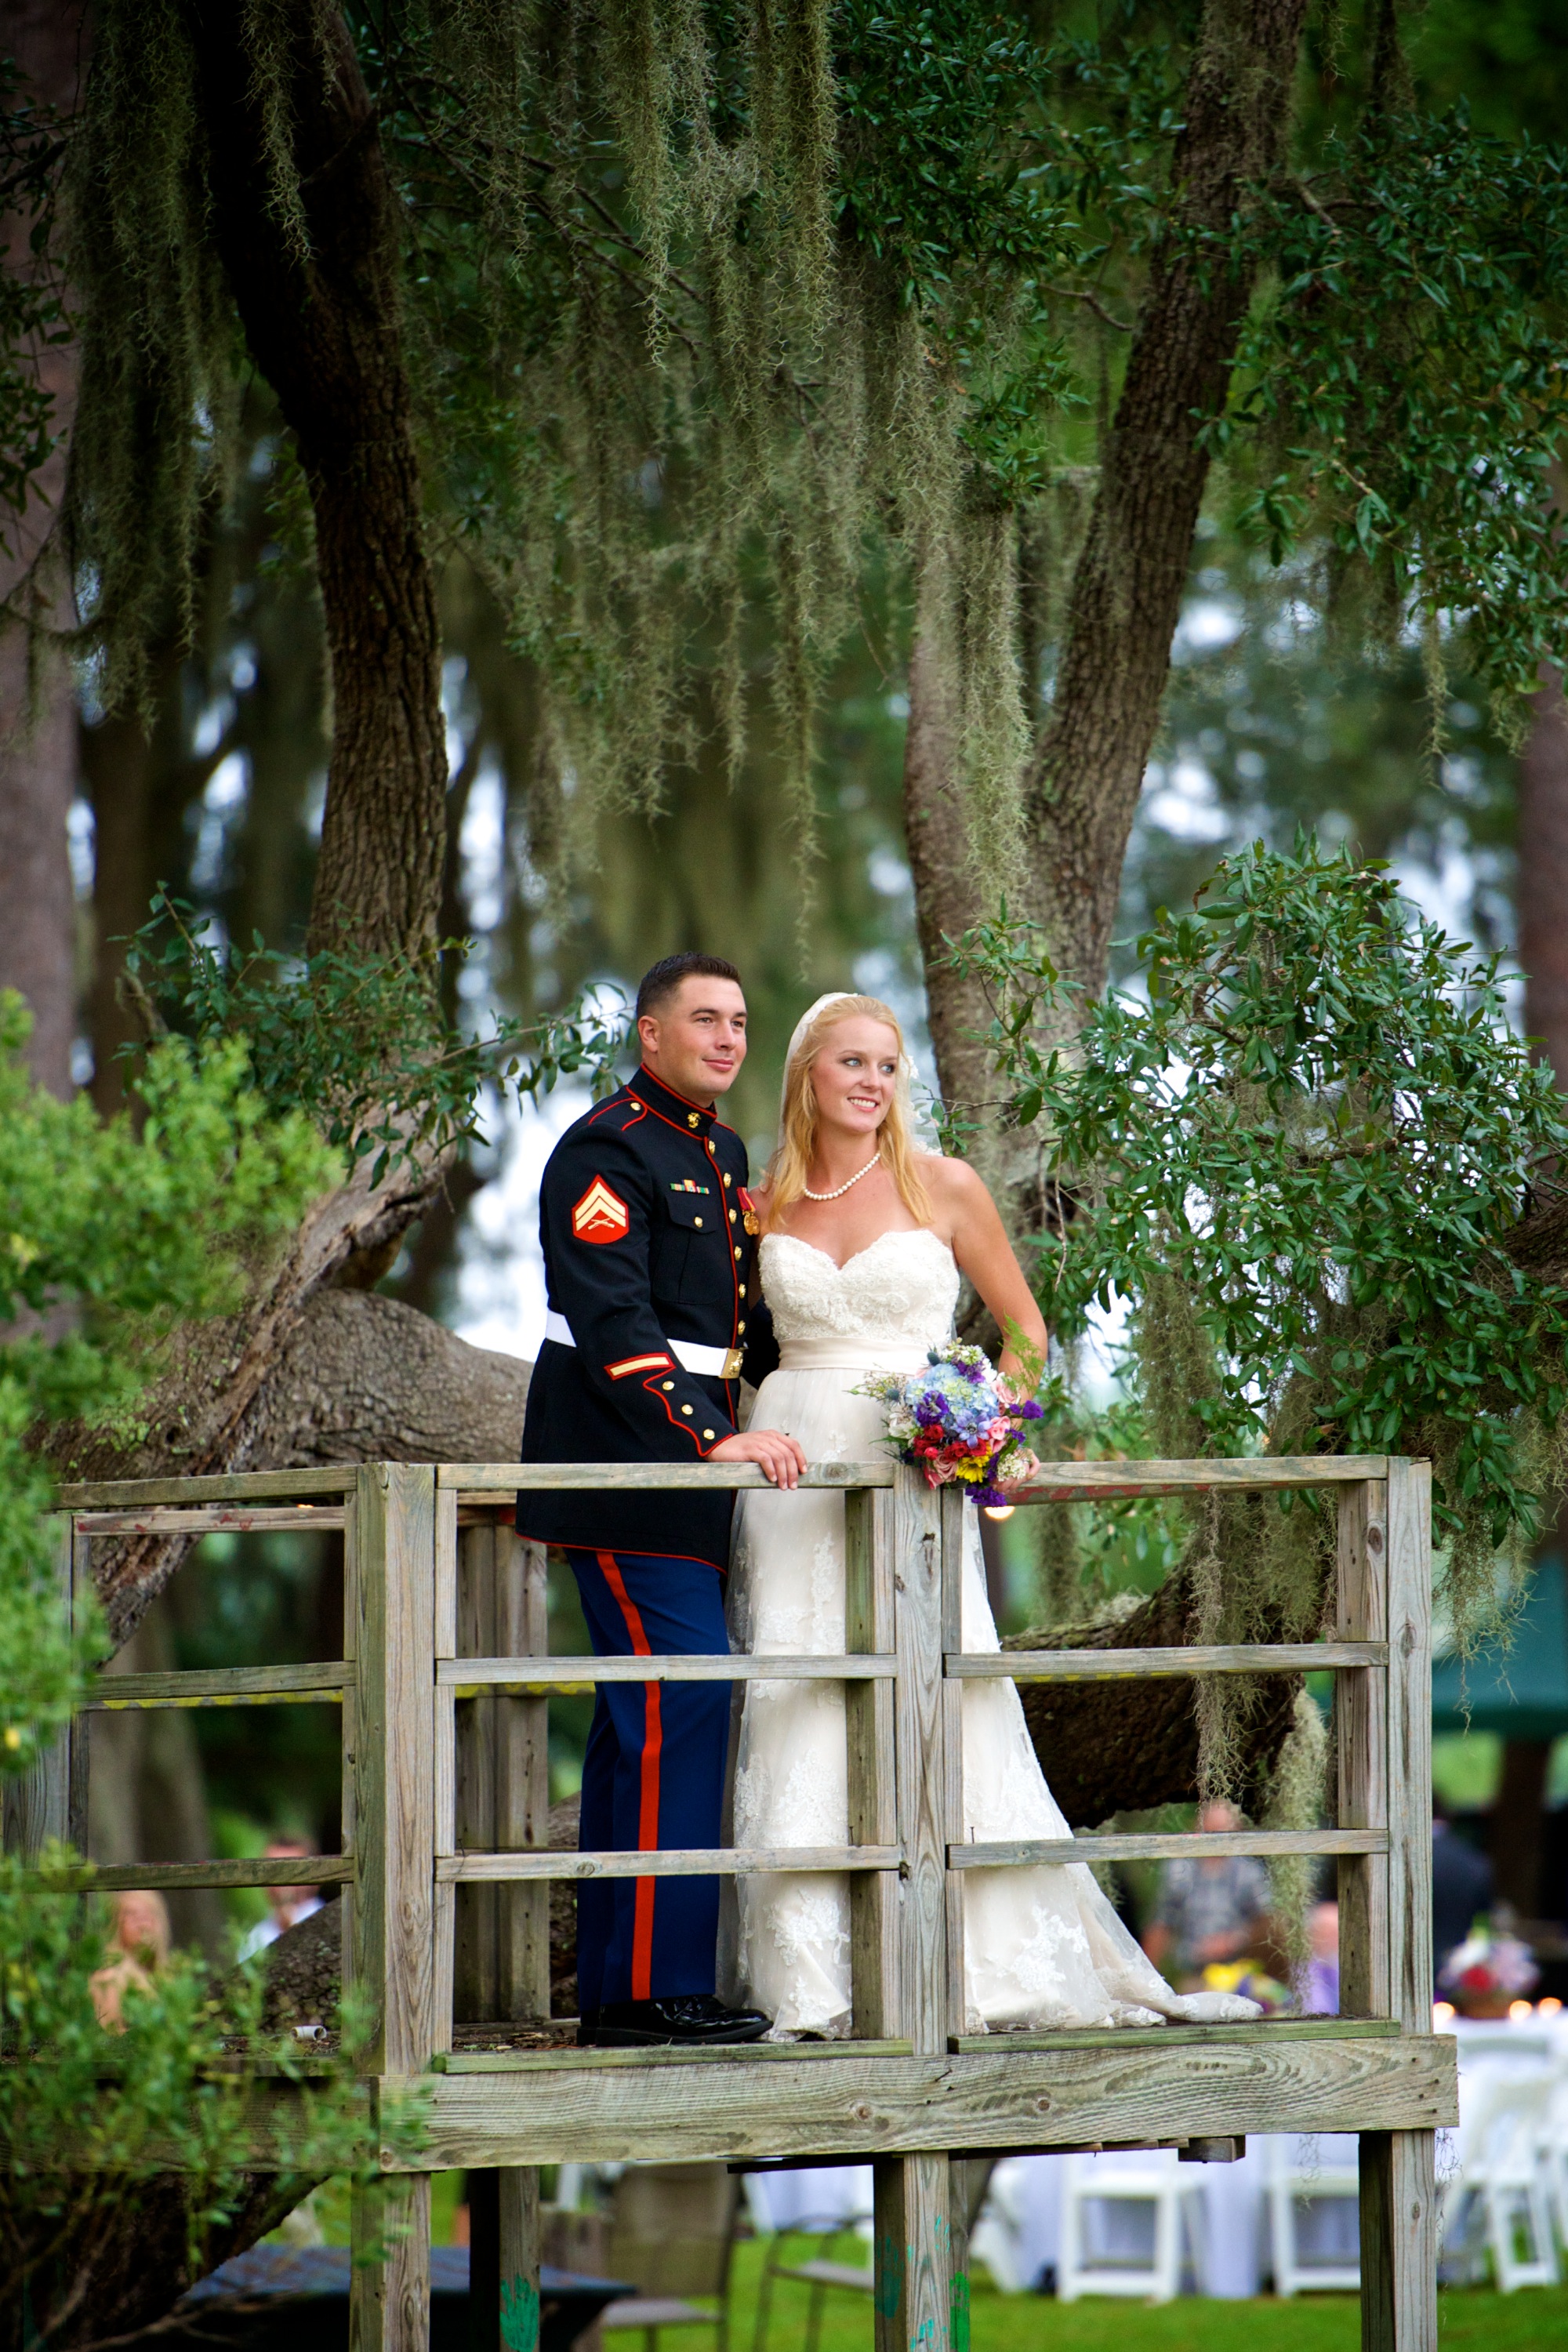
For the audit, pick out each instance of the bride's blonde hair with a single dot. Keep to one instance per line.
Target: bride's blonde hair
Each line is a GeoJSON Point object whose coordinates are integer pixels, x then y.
{"type": "Point", "coordinates": [791, 1164]}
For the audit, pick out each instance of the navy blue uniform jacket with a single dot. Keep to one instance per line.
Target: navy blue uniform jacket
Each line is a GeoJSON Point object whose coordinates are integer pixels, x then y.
{"type": "Point", "coordinates": [645, 1241]}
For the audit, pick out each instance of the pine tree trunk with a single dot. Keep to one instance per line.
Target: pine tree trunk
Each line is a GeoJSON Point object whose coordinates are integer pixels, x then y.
{"type": "Point", "coordinates": [326, 327]}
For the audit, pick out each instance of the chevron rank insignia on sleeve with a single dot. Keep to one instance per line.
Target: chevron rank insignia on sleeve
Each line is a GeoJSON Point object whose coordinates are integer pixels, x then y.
{"type": "Point", "coordinates": [600, 1215]}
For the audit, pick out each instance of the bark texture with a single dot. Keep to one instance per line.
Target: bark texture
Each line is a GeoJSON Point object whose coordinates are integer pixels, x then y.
{"type": "Point", "coordinates": [313, 1376]}
{"type": "Point", "coordinates": [37, 726]}
{"type": "Point", "coordinates": [1126, 589]}
{"type": "Point", "coordinates": [324, 323]}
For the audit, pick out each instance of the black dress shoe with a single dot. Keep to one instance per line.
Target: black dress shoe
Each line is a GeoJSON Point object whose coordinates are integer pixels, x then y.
{"type": "Point", "coordinates": [686, 2021]}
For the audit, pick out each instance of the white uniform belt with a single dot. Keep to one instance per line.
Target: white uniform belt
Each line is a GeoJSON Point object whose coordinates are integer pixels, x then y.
{"type": "Point", "coordinates": [710, 1363]}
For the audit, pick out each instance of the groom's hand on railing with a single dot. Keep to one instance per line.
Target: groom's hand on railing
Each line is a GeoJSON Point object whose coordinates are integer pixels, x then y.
{"type": "Point", "coordinates": [779, 1456]}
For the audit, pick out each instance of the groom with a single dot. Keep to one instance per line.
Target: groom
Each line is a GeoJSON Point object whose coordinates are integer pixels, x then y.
{"type": "Point", "coordinates": [642, 1220]}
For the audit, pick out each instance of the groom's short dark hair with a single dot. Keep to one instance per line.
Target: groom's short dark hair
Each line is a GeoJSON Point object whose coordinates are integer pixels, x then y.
{"type": "Point", "coordinates": [661, 980]}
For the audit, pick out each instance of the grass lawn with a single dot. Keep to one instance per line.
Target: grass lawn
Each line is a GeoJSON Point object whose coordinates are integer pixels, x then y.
{"type": "Point", "coordinates": [1470, 2319]}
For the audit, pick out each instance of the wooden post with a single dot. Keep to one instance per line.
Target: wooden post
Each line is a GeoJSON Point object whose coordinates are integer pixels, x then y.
{"type": "Point", "coordinates": [389, 2282]}
{"type": "Point", "coordinates": [37, 1802]}
{"type": "Point", "coordinates": [1398, 2191]}
{"type": "Point", "coordinates": [873, 1804]}
{"type": "Point", "coordinates": [522, 1781]}
{"type": "Point", "coordinates": [914, 2251]}
{"type": "Point", "coordinates": [474, 1960]}
{"type": "Point", "coordinates": [953, 1534]}
{"type": "Point", "coordinates": [503, 1950]}
{"type": "Point", "coordinates": [393, 1585]}
{"type": "Point", "coordinates": [1361, 1724]}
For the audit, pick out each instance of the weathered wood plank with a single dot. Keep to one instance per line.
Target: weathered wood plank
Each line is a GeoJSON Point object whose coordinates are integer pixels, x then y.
{"type": "Point", "coordinates": [530, 1675]}
{"type": "Point", "coordinates": [474, 1958]}
{"type": "Point", "coordinates": [1361, 1746]}
{"type": "Point", "coordinates": [1065, 1479]}
{"type": "Point", "coordinates": [389, 2275]}
{"type": "Point", "coordinates": [523, 1783]}
{"type": "Point", "coordinates": [394, 1763]}
{"type": "Point", "coordinates": [1136, 1666]}
{"type": "Point", "coordinates": [856, 2107]}
{"type": "Point", "coordinates": [1258, 2029]}
{"type": "Point", "coordinates": [234, 1487]}
{"type": "Point", "coordinates": [1174, 1845]}
{"type": "Point", "coordinates": [36, 1805]}
{"type": "Point", "coordinates": [293, 1518]}
{"type": "Point", "coordinates": [758, 2053]}
{"type": "Point", "coordinates": [475, 1480]}
{"type": "Point", "coordinates": [446, 1572]}
{"type": "Point", "coordinates": [80, 1763]}
{"type": "Point", "coordinates": [913, 2251]}
{"type": "Point", "coordinates": [873, 1817]}
{"type": "Point", "coordinates": [1399, 2218]}
{"type": "Point", "coordinates": [1398, 2195]}
{"type": "Point", "coordinates": [282, 1870]}
{"type": "Point", "coordinates": [225, 1686]}
{"type": "Point", "coordinates": [1410, 1742]}
{"type": "Point", "coordinates": [672, 1862]}
{"type": "Point", "coordinates": [953, 1539]}
{"type": "Point", "coordinates": [920, 1750]}
{"type": "Point", "coordinates": [518, 2199]}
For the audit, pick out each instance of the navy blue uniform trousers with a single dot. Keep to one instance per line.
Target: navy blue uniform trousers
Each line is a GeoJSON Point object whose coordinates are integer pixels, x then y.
{"type": "Point", "coordinates": [653, 1775]}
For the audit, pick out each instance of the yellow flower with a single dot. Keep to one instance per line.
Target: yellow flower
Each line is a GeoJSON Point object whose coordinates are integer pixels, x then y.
{"type": "Point", "coordinates": [13, 1737]}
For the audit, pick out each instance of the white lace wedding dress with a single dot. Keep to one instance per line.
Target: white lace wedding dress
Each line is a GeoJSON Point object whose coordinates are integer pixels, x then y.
{"type": "Point", "coordinates": [1043, 1948]}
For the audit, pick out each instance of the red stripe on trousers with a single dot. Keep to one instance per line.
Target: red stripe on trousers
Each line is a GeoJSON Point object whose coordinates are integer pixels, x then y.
{"type": "Point", "coordinates": [647, 1807]}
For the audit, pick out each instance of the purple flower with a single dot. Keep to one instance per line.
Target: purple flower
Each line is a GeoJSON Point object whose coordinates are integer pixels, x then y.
{"type": "Point", "coordinates": [1032, 1411]}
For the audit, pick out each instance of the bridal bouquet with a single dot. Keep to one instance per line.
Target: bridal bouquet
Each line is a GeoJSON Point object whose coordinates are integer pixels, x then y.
{"type": "Point", "coordinates": [957, 1424]}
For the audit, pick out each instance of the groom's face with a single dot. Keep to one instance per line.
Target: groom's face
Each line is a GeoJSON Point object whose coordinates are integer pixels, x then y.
{"type": "Point", "coordinates": [696, 1041]}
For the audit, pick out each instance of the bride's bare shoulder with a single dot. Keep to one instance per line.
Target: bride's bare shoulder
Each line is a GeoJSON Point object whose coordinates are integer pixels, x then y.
{"type": "Point", "coordinates": [952, 1181]}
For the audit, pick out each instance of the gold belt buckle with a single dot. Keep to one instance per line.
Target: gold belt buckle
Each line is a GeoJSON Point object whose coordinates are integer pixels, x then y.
{"type": "Point", "coordinates": [732, 1363]}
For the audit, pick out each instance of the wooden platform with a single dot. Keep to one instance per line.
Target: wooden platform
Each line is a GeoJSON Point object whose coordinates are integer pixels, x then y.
{"type": "Point", "coordinates": [837, 2103]}
{"type": "Point", "coordinates": [444, 1680]}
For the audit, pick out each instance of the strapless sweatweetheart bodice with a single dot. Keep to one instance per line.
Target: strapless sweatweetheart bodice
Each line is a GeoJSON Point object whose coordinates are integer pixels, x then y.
{"type": "Point", "coordinates": [882, 1310]}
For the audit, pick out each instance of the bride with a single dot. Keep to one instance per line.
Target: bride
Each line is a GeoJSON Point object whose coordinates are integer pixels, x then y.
{"type": "Point", "coordinates": [864, 1241]}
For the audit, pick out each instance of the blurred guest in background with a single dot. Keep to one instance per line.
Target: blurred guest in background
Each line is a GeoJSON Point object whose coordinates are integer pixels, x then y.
{"type": "Point", "coordinates": [1317, 1984]}
{"type": "Point", "coordinates": [288, 1905]}
{"type": "Point", "coordinates": [1461, 1887]}
{"type": "Point", "coordinates": [138, 1948]}
{"type": "Point", "coordinates": [1211, 1910]}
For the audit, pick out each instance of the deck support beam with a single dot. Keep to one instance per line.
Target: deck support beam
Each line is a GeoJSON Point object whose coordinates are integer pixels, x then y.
{"type": "Point", "coordinates": [503, 1932]}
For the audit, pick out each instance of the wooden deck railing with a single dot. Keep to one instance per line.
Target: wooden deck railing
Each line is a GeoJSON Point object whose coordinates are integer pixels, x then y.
{"type": "Point", "coordinates": [445, 1683]}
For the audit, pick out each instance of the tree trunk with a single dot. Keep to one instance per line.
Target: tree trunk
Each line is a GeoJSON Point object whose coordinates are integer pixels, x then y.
{"type": "Point", "coordinates": [38, 728]}
{"type": "Point", "coordinates": [1127, 585]}
{"type": "Point", "coordinates": [325, 326]}
{"type": "Point", "coordinates": [1518, 1834]}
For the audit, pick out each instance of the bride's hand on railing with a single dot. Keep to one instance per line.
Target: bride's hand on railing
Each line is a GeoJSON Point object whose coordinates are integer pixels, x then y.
{"type": "Point", "coordinates": [779, 1457]}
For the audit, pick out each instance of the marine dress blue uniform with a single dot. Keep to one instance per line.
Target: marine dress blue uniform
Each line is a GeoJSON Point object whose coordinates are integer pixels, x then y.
{"type": "Point", "coordinates": [648, 1259]}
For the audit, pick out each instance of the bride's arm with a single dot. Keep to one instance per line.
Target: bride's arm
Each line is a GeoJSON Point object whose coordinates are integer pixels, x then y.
{"type": "Point", "coordinates": [974, 1232]}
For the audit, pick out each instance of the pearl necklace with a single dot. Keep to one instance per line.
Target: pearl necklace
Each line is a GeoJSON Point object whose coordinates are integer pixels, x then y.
{"type": "Point", "coordinates": [839, 1193]}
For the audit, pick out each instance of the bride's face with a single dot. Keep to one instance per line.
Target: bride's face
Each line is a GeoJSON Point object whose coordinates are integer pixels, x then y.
{"type": "Point", "coordinates": [854, 1074]}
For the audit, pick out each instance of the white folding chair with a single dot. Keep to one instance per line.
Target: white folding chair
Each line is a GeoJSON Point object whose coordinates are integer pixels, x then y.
{"type": "Point", "coordinates": [1314, 2212]}
{"type": "Point", "coordinates": [1121, 2224]}
{"type": "Point", "coordinates": [1553, 2149]}
{"type": "Point", "coordinates": [1497, 2201]}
